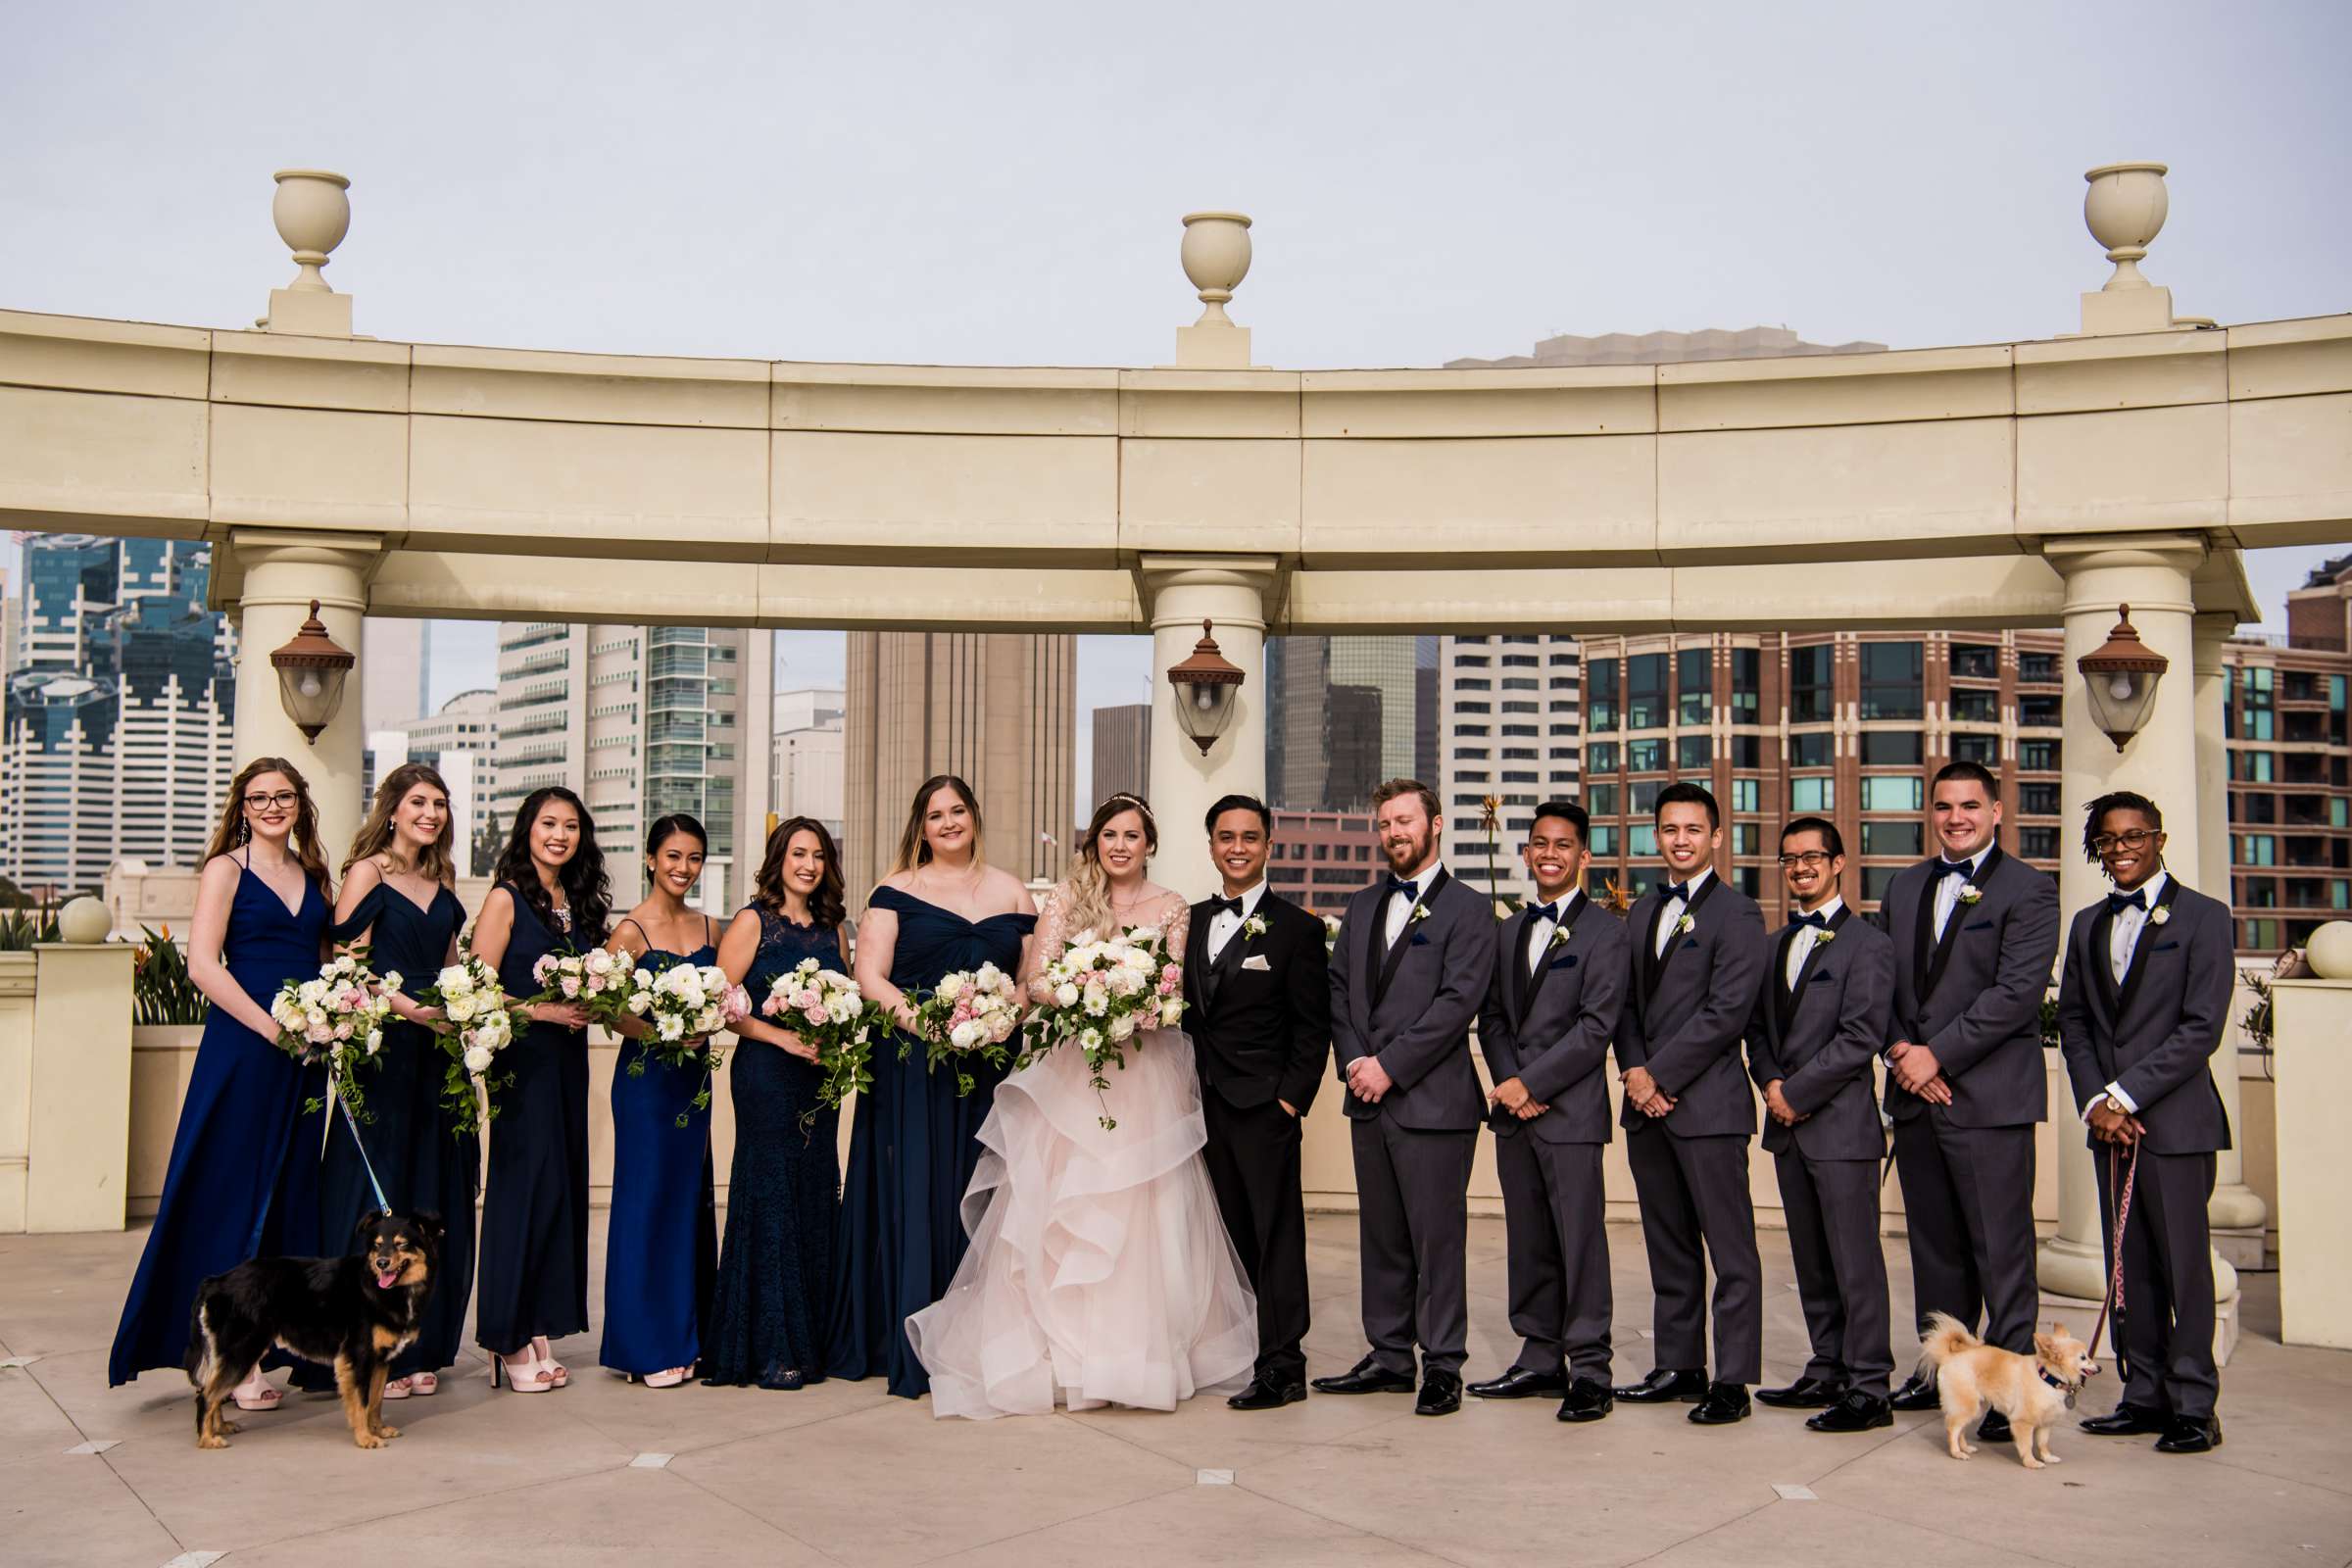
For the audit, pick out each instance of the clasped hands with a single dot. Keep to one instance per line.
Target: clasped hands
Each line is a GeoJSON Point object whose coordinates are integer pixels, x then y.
{"type": "Point", "coordinates": [1512, 1096]}
{"type": "Point", "coordinates": [2110, 1123]}
{"type": "Point", "coordinates": [1778, 1103]}
{"type": "Point", "coordinates": [1368, 1080]}
{"type": "Point", "coordinates": [1643, 1091]}
{"type": "Point", "coordinates": [1917, 1071]}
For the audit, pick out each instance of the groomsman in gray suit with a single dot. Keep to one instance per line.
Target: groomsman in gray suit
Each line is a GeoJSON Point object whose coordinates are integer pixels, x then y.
{"type": "Point", "coordinates": [1975, 934]}
{"type": "Point", "coordinates": [1558, 987]}
{"type": "Point", "coordinates": [1407, 973]}
{"type": "Point", "coordinates": [1698, 958]}
{"type": "Point", "coordinates": [2142, 1009]}
{"type": "Point", "coordinates": [1820, 1022]}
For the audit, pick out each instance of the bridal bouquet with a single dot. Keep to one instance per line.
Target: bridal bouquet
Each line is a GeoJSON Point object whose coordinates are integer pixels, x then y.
{"type": "Point", "coordinates": [826, 1009]}
{"type": "Point", "coordinates": [1103, 991]}
{"type": "Point", "coordinates": [337, 1018]}
{"type": "Point", "coordinates": [582, 978]}
{"type": "Point", "coordinates": [970, 1013]}
{"type": "Point", "coordinates": [481, 1019]}
{"type": "Point", "coordinates": [684, 1005]}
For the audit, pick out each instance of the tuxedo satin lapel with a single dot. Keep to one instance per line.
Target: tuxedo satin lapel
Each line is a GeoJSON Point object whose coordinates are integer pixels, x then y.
{"type": "Point", "coordinates": [1665, 961]}
{"type": "Point", "coordinates": [1542, 969]}
{"type": "Point", "coordinates": [1228, 958]}
{"type": "Point", "coordinates": [1404, 938]}
{"type": "Point", "coordinates": [1516, 995]}
{"type": "Point", "coordinates": [1951, 927]}
{"type": "Point", "coordinates": [1195, 980]}
{"type": "Point", "coordinates": [2102, 967]}
{"type": "Point", "coordinates": [1813, 956]}
{"type": "Point", "coordinates": [1783, 995]}
{"type": "Point", "coordinates": [2149, 932]}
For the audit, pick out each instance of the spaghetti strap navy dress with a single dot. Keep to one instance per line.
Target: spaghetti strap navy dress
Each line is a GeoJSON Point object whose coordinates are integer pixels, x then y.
{"type": "Point", "coordinates": [775, 1271]}
{"type": "Point", "coordinates": [661, 1238]}
{"type": "Point", "coordinates": [423, 1164]}
{"type": "Point", "coordinates": [533, 1274]}
{"type": "Point", "coordinates": [243, 1181]}
{"type": "Point", "coordinates": [914, 1145]}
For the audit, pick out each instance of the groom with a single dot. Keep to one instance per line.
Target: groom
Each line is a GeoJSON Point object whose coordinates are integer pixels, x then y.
{"type": "Point", "coordinates": [1408, 971]}
{"type": "Point", "coordinates": [1257, 1006]}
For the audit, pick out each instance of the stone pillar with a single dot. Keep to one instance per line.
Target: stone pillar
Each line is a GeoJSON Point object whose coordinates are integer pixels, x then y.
{"type": "Point", "coordinates": [2235, 1207]}
{"type": "Point", "coordinates": [77, 1105]}
{"type": "Point", "coordinates": [278, 573]}
{"type": "Point", "coordinates": [1181, 592]}
{"type": "Point", "coordinates": [2309, 1020]}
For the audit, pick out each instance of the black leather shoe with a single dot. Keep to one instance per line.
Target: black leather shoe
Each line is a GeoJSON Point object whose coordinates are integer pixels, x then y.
{"type": "Point", "coordinates": [1916, 1394]}
{"type": "Point", "coordinates": [1995, 1428]}
{"type": "Point", "coordinates": [1856, 1412]}
{"type": "Point", "coordinates": [1663, 1387]}
{"type": "Point", "coordinates": [1366, 1377]}
{"type": "Point", "coordinates": [2126, 1420]}
{"type": "Point", "coordinates": [1805, 1394]}
{"type": "Point", "coordinates": [1725, 1403]}
{"type": "Point", "coordinates": [2188, 1434]}
{"type": "Point", "coordinates": [1261, 1395]}
{"type": "Point", "coordinates": [1440, 1394]}
{"type": "Point", "coordinates": [1588, 1399]}
{"type": "Point", "coordinates": [1520, 1384]}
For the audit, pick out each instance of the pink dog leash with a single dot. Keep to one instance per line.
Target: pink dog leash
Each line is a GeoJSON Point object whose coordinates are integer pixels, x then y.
{"type": "Point", "coordinates": [2114, 1300]}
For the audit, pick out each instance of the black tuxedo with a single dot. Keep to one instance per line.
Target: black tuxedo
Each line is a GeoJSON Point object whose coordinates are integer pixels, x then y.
{"type": "Point", "coordinates": [1259, 1017]}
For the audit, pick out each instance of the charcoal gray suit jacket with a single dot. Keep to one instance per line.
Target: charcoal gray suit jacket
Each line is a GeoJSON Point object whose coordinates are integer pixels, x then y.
{"type": "Point", "coordinates": [2154, 1035]}
{"type": "Point", "coordinates": [1549, 1028]}
{"type": "Point", "coordinates": [1412, 1006]}
{"type": "Point", "coordinates": [1689, 1008]}
{"type": "Point", "coordinates": [1821, 1039]}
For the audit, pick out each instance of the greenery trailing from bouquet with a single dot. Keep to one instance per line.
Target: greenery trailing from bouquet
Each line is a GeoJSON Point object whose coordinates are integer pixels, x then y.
{"type": "Point", "coordinates": [1103, 993]}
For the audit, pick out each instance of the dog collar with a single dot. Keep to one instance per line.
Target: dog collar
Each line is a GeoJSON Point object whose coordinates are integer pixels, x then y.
{"type": "Point", "coordinates": [2059, 1384]}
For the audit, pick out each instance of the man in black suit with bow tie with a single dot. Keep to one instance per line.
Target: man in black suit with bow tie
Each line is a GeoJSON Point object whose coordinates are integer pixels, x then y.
{"type": "Point", "coordinates": [1258, 1011]}
{"type": "Point", "coordinates": [1558, 988]}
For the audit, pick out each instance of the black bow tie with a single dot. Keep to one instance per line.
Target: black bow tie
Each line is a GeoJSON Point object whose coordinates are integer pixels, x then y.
{"type": "Point", "coordinates": [1217, 906]}
{"type": "Point", "coordinates": [2136, 899]}
{"type": "Point", "coordinates": [1816, 920]}
{"type": "Point", "coordinates": [1679, 890]}
{"type": "Point", "coordinates": [1942, 868]}
{"type": "Point", "coordinates": [1398, 883]}
{"type": "Point", "coordinates": [1549, 911]}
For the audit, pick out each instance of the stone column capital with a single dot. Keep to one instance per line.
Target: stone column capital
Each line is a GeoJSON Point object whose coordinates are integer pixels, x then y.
{"type": "Point", "coordinates": [2071, 556]}
{"type": "Point", "coordinates": [1182, 588]}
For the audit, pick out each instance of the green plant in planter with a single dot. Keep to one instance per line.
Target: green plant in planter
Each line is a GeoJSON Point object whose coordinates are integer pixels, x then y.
{"type": "Point", "coordinates": [20, 929]}
{"type": "Point", "coordinates": [161, 989]}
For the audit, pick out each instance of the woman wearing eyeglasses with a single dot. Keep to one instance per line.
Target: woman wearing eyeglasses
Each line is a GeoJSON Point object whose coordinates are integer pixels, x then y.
{"type": "Point", "coordinates": [243, 1181]}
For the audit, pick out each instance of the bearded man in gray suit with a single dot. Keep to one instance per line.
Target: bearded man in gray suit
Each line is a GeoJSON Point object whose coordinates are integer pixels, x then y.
{"type": "Point", "coordinates": [2143, 1006]}
{"type": "Point", "coordinates": [1407, 973]}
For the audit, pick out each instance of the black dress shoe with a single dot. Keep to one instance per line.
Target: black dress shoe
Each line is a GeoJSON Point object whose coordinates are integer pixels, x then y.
{"type": "Point", "coordinates": [1725, 1403]}
{"type": "Point", "coordinates": [1520, 1384]}
{"type": "Point", "coordinates": [1995, 1428]}
{"type": "Point", "coordinates": [1588, 1399]}
{"type": "Point", "coordinates": [1805, 1394]}
{"type": "Point", "coordinates": [1916, 1394]}
{"type": "Point", "coordinates": [1261, 1395]}
{"type": "Point", "coordinates": [1366, 1377]}
{"type": "Point", "coordinates": [2126, 1420]}
{"type": "Point", "coordinates": [1663, 1387]}
{"type": "Point", "coordinates": [1440, 1394]}
{"type": "Point", "coordinates": [2188, 1434]}
{"type": "Point", "coordinates": [1857, 1411]}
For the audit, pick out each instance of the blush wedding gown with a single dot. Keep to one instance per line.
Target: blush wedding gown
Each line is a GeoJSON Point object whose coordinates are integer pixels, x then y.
{"type": "Point", "coordinates": [1099, 1271]}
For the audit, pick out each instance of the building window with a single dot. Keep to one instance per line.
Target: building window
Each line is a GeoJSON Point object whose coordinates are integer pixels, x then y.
{"type": "Point", "coordinates": [1601, 695]}
{"type": "Point", "coordinates": [1812, 795]}
{"type": "Point", "coordinates": [1601, 800]}
{"type": "Point", "coordinates": [1604, 839]}
{"type": "Point", "coordinates": [1694, 684]}
{"type": "Point", "coordinates": [1892, 677]}
{"type": "Point", "coordinates": [2260, 806]}
{"type": "Point", "coordinates": [2038, 843]}
{"type": "Point", "coordinates": [1892, 793]}
{"type": "Point", "coordinates": [2037, 800]}
{"type": "Point", "coordinates": [1472, 683]}
{"type": "Point", "coordinates": [2037, 713]}
{"type": "Point", "coordinates": [2257, 849]}
{"type": "Point", "coordinates": [1645, 798]}
{"type": "Point", "coordinates": [1976, 706]}
{"type": "Point", "coordinates": [1645, 757]}
{"type": "Point", "coordinates": [1645, 692]}
{"type": "Point", "coordinates": [1975, 662]}
{"type": "Point", "coordinates": [2038, 756]}
{"type": "Point", "coordinates": [1876, 880]}
{"type": "Point", "coordinates": [1600, 758]}
{"type": "Point", "coordinates": [1893, 838]}
{"type": "Point", "coordinates": [2256, 768]}
{"type": "Point", "coordinates": [1892, 748]}
{"type": "Point", "coordinates": [1747, 684]}
{"type": "Point", "coordinates": [2037, 669]}
{"type": "Point", "coordinates": [1809, 690]}
{"type": "Point", "coordinates": [1693, 754]}
{"type": "Point", "coordinates": [1470, 729]}
{"type": "Point", "coordinates": [2261, 935]}
{"type": "Point", "coordinates": [1814, 749]}
{"type": "Point", "coordinates": [1642, 839]}
{"type": "Point", "coordinates": [1744, 792]}
{"type": "Point", "coordinates": [1983, 750]}
{"type": "Point", "coordinates": [1745, 837]}
{"type": "Point", "coordinates": [1747, 751]}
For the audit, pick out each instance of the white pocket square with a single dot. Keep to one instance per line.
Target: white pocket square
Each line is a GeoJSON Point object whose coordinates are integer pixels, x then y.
{"type": "Point", "coordinates": [1255, 960]}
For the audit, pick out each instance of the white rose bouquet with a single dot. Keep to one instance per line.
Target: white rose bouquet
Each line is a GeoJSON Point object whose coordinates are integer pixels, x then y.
{"type": "Point", "coordinates": [828, 1011]}
{"type": "Point", "coordinates": [481, 1025]}
{"type": "Point", "coordinates": [683, 1005]}
{"type": "Point", "coordinates": [972, 1013]}
{"type": "Point", "coordinates": [1104, 994]}
{"type": "Point", "coordinates": [337, 1018]}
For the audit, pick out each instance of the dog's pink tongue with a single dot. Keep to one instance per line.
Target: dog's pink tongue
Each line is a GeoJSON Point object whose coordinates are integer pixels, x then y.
{"type": "Point", "coordinates": [384, 1281]}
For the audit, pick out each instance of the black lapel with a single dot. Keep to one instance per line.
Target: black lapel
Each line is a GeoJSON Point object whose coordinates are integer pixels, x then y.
{"type": "Point", "coordinates": [1951, 928]}
{"type": "Point", "coordinates": [1514, 935]}
{"type": "Point", "coordinates": [1644, 933]}
{"type": "Point", "coordinates": [1665, 960]}
{"type": "Point", "coordinates": [1783, 995]}
{"type": "Point", "coordinates": [1535, 978]}
{"type": "Point", "coordinates": [1805, 972]}
{"type": "Point", "coordinates": [2101, 967]}
{"type": "Point", "coordinates": [2132, 970]}
{"type": "Point", "coordinates": [1230, 956]}
{"type": "Point", "coordinates": [1404, 938]}
{"type": "Point", "coordinates": [1196, 981]}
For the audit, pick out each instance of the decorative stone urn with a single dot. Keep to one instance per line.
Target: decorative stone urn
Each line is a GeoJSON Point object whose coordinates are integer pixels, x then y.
{"type": "Point", "coordinates": [313, 213]}
{"type": "Point", "coordinates": [2329, 951]}
{"type": "Point", "coordinates": [1216, 257]}
{"type": "Point", "coordinates": [2124, 209]}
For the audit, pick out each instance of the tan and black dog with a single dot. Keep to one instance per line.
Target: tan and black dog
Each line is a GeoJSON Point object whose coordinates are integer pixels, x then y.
{"type": "Point", "coordinates": [354, 1313]}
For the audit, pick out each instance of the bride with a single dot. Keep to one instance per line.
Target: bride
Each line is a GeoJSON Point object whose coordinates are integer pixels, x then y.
{"type": "Point", "coordinates": [1099, 1271]}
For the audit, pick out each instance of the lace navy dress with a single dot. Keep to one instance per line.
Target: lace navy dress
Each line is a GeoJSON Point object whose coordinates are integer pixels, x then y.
{"type": "Point", "coordinates": [425, 1166]}
{"type": "Point", "coordinates": [662, 1238]}
{"type": "Point", "coordinates": [775, 1271]}
{"type": "Point", "coordinates": [534, 1252]}
{"type": "Point", "coordinates": [243, 1181]}
{"type": "Point", "coordinates": [912, 1149]}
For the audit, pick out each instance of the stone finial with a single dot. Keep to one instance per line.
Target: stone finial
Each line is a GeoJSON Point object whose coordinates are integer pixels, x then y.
{"type": "Point", "coordinates": [1216, 257]}
{"type": "Point", "coordinates": [2124, 209]}
{"type": "Point", "coordinates": [313, 213]}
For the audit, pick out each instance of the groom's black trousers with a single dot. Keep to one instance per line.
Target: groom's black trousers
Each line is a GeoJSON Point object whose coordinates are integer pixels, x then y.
{"type": "Point", "coordinates": [1252, 1159]}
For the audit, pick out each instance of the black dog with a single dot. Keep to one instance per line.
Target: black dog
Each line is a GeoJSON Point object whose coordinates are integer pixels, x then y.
{"type": "Point", "coordinates": [354, 1313]}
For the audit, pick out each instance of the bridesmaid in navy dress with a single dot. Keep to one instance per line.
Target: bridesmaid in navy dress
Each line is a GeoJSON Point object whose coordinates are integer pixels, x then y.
{"type": "Point", "coordinates": [399, 903]}
{"type": "Point", "coordinates": [775, 1272]}
{"type": "Point", "coordinates": [551, 897]}
{"type": "Point", "coordinates": [912, 1146]}
{"type": "Point", "coordinates": [661, 1239]}
{"type": "Point", "coordinates": [243, 1180]}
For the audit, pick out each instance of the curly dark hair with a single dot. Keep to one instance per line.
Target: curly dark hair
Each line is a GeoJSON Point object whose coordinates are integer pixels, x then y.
{"type": "Point", "coordinates": [2116, 801]}
{"type": "Point", "coordinates": [828, 906]}
{"type": "Point", "coordinates": [586, 888]}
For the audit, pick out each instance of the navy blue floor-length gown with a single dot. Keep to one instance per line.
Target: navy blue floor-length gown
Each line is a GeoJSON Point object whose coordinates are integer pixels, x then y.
{"type": "Point", "coordinates": [662, 1238]}
{"type": "Point", "coordinates": [775, 1269]}
{"type": "Point", "coordinates": [912, 1150]}
{"type": "Point", "coordinates": [243, 1181]}
{"type": "Point", "coordinates": [533, 1275]}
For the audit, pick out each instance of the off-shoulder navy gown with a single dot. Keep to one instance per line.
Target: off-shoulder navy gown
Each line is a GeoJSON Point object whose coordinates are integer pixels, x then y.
{"type": "Point", "coordinates": [912, 1150]}
{"type": "Point", "coordinates": [243, 1181]}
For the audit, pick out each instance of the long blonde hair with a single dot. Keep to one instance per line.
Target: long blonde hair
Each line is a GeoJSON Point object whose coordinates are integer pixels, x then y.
{"type": "Point", "coordinates": [1089, 884]}
{"type": "Point", "coordinates": [232, 832]}
{"type": "Point", "coordinates": [914, 848]}
{"type": "Point", "coordinates": [375, 835]}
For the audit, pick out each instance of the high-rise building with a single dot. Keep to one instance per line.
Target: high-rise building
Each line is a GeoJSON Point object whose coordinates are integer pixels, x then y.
{"type": "Point", "coordinates": [1341, 717]}
{"type": "Point", "coordinates": [999, 708]}
{"type": "Point", "coordinates": [8, 628]}
{"type": "Point", "coordinates": [1428, 754]}
{"type": "Point", "coordinates": [396, 681]}
{"type": "Point", "coordinates": [1511, 708]}
{"type": "Point", "coordinates": [2290, 806]}
{"type": "Point", "coordinates": [806, 762]}
{"type": "Point", "coordinates": [116, 736]}
{"type": "Point", "coordinates": [460, 742]}
{"type": "Point", "coordinates": [1319, 859]}
{"type": "Point", "coordinates": [1122, 751]}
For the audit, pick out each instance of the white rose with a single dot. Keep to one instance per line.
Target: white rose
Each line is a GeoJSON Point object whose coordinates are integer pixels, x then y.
{"type": "Point", "coordinates": [392, 980]}
{"type": "Point", "coordinates": [454, 978]}
{"type": "Point", "coordinates": [1122, 1027]}
{"type": "Point", "coordinates": [1065, 995]}
{"type": "Point", "coordinates": [1172, 1013]}
{"type": "Point", "coordinates": [460, 1007]}
{"type": "Point", "coordinates": [477, 1058]}
{"type": "Point", "coordinates": [967, 1034]}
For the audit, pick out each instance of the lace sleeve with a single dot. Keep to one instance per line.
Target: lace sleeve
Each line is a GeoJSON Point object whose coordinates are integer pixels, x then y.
{"type": "Point", "coordinates": [1052, 937]}
{"type": "Point", "coordinates": [1175, 918]}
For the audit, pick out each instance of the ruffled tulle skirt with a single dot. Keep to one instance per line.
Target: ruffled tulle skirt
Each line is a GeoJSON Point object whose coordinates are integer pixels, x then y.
{"type": "Point", "coordinates": [1099, 1271]}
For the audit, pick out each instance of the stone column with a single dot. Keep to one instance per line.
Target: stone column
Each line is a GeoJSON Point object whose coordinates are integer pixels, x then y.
{"type": "Point", "coordinates": [2234, 1206]}
{"type": "Point", "coordinates": [1182, 591]}
{"type": "Point", "coordinates": [278, 573]}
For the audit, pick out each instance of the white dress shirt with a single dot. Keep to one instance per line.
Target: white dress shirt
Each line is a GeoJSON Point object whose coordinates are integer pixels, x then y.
{"type": "Point", "coordinates": [1802, 943]}
{"type": "Point", "coordinates": [1224, 924]}
{"type": "Point", "coordinates": [1675, 910]}
{"type": "Point", "coordinates": [2123, 935]}
{"type": "Point", "coordinates": [1948, 889]}
{"type": "Point", "coordinates": [1540, 930]}
{"type": "Point", "coordinates": [1401, 908]}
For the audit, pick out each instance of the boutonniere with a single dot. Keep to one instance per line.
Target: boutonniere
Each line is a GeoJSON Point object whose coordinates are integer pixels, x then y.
{"type": "Point", "coordinates": [1970, 893]}
{"type": "Point", "coordinates": [1330, 932]}
{"type": "Point", "coordinates": [1824, 937]}
{"type": "Point", "coordinates": [1254, 927]}
{"type": "Point", "coordinates": [1684, 926]}
{"type": "Point", "coordinates": [1559, 936]}
{"type": "Point", "coordinates": [2160, 914]}
{"type": "Point", "coordinates": [1420, 913]}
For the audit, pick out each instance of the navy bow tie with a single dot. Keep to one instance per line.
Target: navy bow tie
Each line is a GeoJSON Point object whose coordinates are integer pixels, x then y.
{"type": "Point", "coordinates": [1217, 906]}
{"type": "Point", "coordinates": [1398, 883]}
{"type": "Point", "coordinates": [1816, 920]}
{"type": "Point", "coordinates": [1549, 911]}
{"type": "Point", "coordinates": [1942, 868]}
{"type": "Point", "coordinates": [1679, 890]}
{"type": "Point", "coordinates": [2136, 899]}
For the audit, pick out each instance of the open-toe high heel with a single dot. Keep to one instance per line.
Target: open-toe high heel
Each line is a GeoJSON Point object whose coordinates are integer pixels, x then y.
{"type": "Point", "coordinates": [523, 1374]}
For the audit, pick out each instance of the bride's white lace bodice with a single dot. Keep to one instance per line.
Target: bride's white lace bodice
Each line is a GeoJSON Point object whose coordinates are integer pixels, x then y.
{"type": "Point", "coordinates": [1169, 912]}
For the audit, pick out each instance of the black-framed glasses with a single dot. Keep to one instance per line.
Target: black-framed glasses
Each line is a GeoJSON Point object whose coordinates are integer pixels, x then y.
{"type": "Point", "coordinates": [283, 801]}
{"type": "Point", "coordinates": [1808, 859]}
{"type": "Point", "coordinates": [2131, 838]}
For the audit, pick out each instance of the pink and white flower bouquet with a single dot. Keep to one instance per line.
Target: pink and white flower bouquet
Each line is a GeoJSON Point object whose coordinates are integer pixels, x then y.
{"type": "Point", "coordinates": [1106, 992]}
{"type": "Point", "coordinates": [337, 1018]}
{"type": "Point", "coordinates": [972, 1012]}
{"type": "Point", "coordinates": [828, 1011]}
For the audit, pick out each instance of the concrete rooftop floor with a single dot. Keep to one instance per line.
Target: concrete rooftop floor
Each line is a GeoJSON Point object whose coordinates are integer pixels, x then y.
{"type": "Point", "coordinates": [841, 1473]}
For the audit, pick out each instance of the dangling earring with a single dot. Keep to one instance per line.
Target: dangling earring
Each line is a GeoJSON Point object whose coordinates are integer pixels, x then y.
{"type": "Point", "coordinates": [244, 830]}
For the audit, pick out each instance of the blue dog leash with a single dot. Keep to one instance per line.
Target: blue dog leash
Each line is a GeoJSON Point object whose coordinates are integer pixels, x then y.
{"type": "Point", "coordinates": [352, 1122]}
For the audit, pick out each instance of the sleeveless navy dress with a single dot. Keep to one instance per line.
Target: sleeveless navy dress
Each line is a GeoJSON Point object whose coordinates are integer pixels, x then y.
{"type": "Point", "coordinates": [775, 1272]}
{"type": "Point", "coordinates": [661, 1239]}
{"type": "Point", "coordinates": [425, 1165]}
{"type": "Point", "coordinates": [533, 1276]}
{"type": "Point", "coordinates": [912, 1150]}
{"type": "Point", "coordinates": [243, 1181]}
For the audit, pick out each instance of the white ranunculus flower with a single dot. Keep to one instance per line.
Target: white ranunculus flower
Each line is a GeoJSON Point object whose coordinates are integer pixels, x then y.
{"type": "Point", "coordinates": [639, 1001]}
{"type": "Point", "coordinates": [1122, 1027]}
{"type": "Point", "coordinates": [392, 980]}
{"type": "Point", "coordinates": [477, 1058]}
{"type": "Point", "coordinates": [967, 1034]}
{"type": "Point", "coordinates": [1065, 995]}
{"type": "Point", "coordinates": [460, 1007]}
{"type": "Point", "coordinates": [950, 986]}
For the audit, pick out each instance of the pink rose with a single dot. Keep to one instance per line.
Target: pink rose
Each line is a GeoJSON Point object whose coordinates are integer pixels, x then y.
{"type": "Point", "coordinates": [571, 987]}
{"type": "Point", "coordinates": [816, 1016]}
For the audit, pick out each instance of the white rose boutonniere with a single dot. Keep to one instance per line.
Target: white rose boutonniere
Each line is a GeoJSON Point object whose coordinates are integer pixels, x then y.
{"type": "Point", "coordinates": [1824, 937]}
{"type": "Point", "coordinates": [1559, 936]}
{"type": "Point", "coordinates": [1330, 932]}
{"type": "Point", "coordinates": [1420, 913]}
{"type": "Point", "coordinates": [1970, 893]}
{"type": "Point", "coordinates": [2160, 914]}
{"type": "Point", "coordinates": [1684, 926]}
{"type": "Point", "coordinates": [1253, 927]}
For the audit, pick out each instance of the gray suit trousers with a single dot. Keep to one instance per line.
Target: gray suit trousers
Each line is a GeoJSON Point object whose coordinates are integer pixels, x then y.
{"type": "Point", "coordinates": [1696, 1211]}
{"type": "Point", "coordinates": [1412, 1192]}
{"type": "Point", "coordinates": [1833, 1211]}
{"type": "Point", "coordinates": [1552, 1212]}
{"type": "Point", "coordinates": [1968, 1205]}
{"type": "Point", "coordinates": [2164, 1325]}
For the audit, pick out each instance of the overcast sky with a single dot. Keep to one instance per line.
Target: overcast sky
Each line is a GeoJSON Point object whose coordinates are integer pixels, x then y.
{"type": "Point", "coordinates": [1002, 184]}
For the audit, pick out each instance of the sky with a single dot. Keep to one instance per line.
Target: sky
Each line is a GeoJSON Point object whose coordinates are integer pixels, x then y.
{"type": "Point", "coordinates": [1003, 184]}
